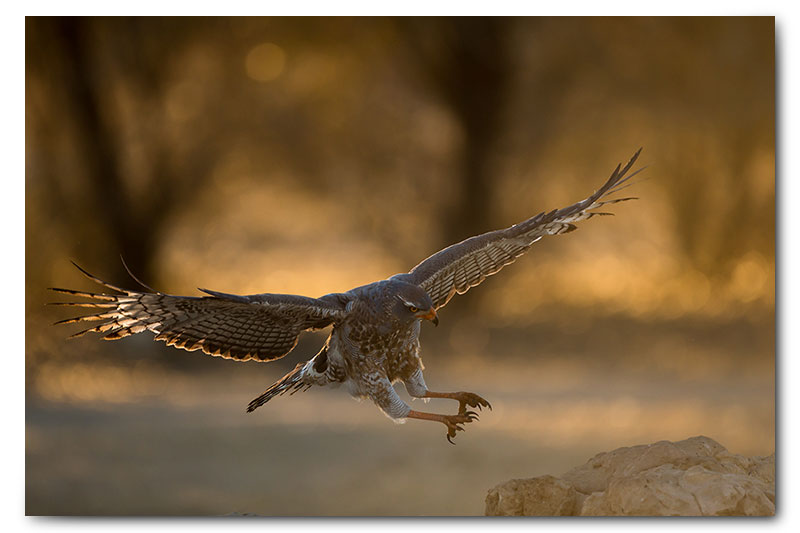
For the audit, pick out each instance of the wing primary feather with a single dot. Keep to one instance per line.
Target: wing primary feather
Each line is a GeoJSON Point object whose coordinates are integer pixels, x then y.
{"type": "Point", "coordinates": [225, 296]}
{"type": "Point", "coordinates": [87, 318]}
{"type": "Point", "coordinates": [461, 266]}
{"type": "Point", "coordinates": [93, 305]}
{"type": "Point", "coordinates": [96, 296]}
{"type": "Point", "coordinates": [221, 324]}
{"type": "Point", "coordinates": [137, 280]}
{"type": "Point", "coordinates": [617, 176]}
{"type": "Point", "coordinates": [98, 280]}
{"type": "Point", "coordinates": [623, 185]}
{"type": "Point", "coordinates": [631, 161]}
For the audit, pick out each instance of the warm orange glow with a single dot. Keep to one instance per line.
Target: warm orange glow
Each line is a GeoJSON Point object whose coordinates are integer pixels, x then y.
{"type": "Point", "coordinates": [314, 155]}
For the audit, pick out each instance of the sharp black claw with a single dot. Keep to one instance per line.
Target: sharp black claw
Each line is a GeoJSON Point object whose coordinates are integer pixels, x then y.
{"type": "Point", "coordinates": [449, 440]}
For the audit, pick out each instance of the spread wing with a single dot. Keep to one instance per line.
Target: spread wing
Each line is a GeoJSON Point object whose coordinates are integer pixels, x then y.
{"type": "Point", "coordinates": [467, 263]}
{"type": "Point", "coordinates": [262, 327]}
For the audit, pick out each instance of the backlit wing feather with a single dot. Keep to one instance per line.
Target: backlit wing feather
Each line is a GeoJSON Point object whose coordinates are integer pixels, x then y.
{"type": "Point", "coordinates": [261, 327]}
{"type": "Point", "coordinates": [466, 264]}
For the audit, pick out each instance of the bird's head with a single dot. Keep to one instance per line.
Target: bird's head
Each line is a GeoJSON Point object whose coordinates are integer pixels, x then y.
{"type": "Point", "coordinates": [412, 303]}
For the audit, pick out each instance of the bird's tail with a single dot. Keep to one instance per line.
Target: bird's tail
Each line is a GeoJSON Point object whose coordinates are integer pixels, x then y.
{"type": "Point", "coordinates": [291, 382]}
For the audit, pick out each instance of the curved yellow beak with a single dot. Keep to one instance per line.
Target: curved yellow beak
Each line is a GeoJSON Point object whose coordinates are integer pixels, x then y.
{"type": "Point", "coordinates": [431, 315]}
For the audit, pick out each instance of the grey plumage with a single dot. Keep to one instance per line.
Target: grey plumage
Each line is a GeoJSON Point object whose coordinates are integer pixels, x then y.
{"type": "Point", "coordinates": [375, 337]}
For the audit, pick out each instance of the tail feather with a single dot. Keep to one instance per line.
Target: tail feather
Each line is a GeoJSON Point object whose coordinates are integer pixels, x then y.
{"type": "Point", "coordinates": [291, 382]}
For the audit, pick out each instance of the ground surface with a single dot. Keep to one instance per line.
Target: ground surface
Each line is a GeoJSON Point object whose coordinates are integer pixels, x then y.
{"type": "Point", "coordinates": [129, 439]}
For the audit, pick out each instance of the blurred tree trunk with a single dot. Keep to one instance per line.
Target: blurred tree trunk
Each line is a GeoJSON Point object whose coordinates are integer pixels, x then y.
{"type": "Point", "coordinates": [131, 229]}
{"type": "Point", "coordinates": [467, 62]}
{"type": "Point", "coordinates": [86, 59]}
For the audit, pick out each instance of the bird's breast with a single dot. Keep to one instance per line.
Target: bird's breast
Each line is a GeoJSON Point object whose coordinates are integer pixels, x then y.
{"type": "Point", "coordinates": [391, 351]}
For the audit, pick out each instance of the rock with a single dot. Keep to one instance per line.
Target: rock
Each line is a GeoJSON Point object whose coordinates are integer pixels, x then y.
{"type": "Point", "coordinates": [693, 477]}
{"type": "Point", "coordinates": [541, 496]}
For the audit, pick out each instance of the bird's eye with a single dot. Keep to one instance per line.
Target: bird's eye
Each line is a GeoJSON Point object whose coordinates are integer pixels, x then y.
{"type": "Point", "coordinates": [413, 309]}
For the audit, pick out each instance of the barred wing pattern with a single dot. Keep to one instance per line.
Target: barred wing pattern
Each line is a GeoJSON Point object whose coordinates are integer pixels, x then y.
{"type": "Point", "coordinates": [260, 327]}
{"type": "Point", "coordinates": [461, 266]}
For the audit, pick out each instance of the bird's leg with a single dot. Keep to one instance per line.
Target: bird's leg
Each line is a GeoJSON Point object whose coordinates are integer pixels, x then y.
{"type": "Point", "coordinates": [453, 422]}
{"type": "Point", "coordinates": [464, 399]}
{"type": "Point", "coordinates": [415, 385]}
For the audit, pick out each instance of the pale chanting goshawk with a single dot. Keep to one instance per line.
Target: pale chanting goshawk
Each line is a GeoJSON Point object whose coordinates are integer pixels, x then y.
{"type": "Point", "coordinates": [375, 337]}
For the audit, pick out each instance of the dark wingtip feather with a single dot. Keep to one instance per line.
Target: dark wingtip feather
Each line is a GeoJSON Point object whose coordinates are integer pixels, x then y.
{"type": "Point", "coordinates": [68, 320]}
{"type": "Point", "coordinates": [85, 273]}
{"type": "Point", "coordinates": [98, 280]}
{"type": "Point", "coordinates": [80, 333]}
{"type": "Point", "coordinates": [137, 280]}
{"type": "Point", "coordinates": [618, 177]}
{"type": "Point", "coordinates": [614, 176]}
{"type": "Point", "coordinates": [615, 201]}
{"type": "Point", "coordinates": [225, 295]}
{"type": "Point", "coordinates": [96, 296]}
{"type": "Point", "coordinates": [632, 160]}
{"type": "Point", "coordinates": [622, 183]}
{"type": "Point", "coordinates": [570, 228]}
{"type": "Point", "coordinates": [93, 305]}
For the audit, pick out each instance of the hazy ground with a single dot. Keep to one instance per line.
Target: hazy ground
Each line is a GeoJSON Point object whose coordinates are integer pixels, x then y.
{"type": "Point", "coordinates": [132, 437]}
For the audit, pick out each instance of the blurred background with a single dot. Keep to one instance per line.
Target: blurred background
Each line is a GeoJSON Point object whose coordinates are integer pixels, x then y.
{"type": "Point", "coordinates": [312, 155]}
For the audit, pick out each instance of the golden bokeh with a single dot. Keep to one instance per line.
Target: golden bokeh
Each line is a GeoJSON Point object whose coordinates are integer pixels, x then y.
{"type": "Point", "coordinates": [265, 62]}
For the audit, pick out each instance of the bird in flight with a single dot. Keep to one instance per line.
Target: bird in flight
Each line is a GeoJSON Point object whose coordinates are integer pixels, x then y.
{"type": "Point", "coordinates": [374, 341]}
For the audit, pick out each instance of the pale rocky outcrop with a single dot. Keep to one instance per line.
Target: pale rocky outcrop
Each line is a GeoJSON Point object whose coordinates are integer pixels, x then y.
{"type": "Point", "coordinates": [692, 477]}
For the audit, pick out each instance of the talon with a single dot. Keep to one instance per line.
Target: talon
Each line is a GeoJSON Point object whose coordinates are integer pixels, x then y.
{"type": "Point", "coordinates": [454, 423]}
